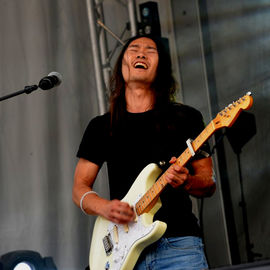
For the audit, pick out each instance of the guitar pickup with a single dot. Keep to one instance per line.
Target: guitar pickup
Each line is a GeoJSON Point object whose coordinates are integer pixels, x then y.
{"type": "Point", "coordinates": [115, 234]}
{"type": "Point", "coordinates": [108, 245]}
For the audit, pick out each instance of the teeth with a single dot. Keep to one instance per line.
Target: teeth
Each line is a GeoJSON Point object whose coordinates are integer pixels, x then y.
{"type": "Point", "coordinates": [140, 64]}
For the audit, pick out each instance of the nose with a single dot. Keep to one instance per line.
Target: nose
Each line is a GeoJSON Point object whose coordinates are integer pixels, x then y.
{"type": "Point", "coordinates": [140, 56]}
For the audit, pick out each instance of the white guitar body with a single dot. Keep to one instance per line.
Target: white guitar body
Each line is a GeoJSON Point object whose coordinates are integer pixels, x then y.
{"type": "Point", "coordinates": [117, 247]}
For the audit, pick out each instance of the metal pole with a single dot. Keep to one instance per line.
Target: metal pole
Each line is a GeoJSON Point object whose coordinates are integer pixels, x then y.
{"type": "Point", "coordinates": [132, 17]}
{"type": "Point", "coordinates": [96, 56]}
{"type": "Point", "coordinates": [104, 48]}
{"type": "Point", "coordinates": [110, 32]}
{"type": "Point", "coordinates": [232, 252]}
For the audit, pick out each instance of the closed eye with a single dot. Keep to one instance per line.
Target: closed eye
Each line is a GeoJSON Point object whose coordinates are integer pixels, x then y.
{"type": "Point", "coordinates": [133, 48]}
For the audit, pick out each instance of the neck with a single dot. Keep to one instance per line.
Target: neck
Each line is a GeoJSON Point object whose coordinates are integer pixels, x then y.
{"type": "Point", "coordinates": [139, 98]}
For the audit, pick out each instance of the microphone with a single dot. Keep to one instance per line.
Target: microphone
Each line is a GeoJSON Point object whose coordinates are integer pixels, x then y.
{"type": "Point", "coordinates": [52, 80]}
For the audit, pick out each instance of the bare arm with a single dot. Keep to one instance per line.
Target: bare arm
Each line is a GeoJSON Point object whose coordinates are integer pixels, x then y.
{"type": "Point", "coordinates": [202, 183]}
{"type": "Point", "coordinates": [84, 178]}
{"type": "Point", "coordinates": [199, 184]}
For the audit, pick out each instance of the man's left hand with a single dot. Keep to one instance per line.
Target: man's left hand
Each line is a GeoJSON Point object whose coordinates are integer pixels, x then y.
{"type": "Point", "coordinates": [176, 175]}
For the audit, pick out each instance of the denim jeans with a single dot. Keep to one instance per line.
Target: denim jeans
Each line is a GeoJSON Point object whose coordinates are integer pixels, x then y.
{"type": "Point", "coordinates": [175, 253]}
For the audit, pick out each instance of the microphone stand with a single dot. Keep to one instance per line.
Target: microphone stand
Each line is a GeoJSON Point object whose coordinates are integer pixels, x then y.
{"type": "Point", "coordinates": [238, 135]}
{"type": "Point", "coordinates": [249, 246]}
{"type": "Point", "coordinates": [26, 90]}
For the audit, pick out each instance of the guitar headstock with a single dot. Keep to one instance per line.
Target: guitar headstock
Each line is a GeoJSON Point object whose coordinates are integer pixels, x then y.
{"type": "Point", "coordinates": [227, 116]}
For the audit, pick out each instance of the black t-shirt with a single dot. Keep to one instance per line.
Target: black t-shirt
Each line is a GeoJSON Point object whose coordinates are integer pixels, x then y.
{"type": "Point", "coordinates": [140, 139]}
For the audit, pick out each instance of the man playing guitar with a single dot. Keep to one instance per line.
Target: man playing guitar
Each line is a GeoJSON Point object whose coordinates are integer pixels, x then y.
{"type": "Point", "coordinates": [144, 125]}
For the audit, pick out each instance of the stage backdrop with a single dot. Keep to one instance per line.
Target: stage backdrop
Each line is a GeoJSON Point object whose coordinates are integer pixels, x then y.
{"type": "Point", "coordinates": [223, 46]}
{"type": "Point", "coordinates": [40, 132]}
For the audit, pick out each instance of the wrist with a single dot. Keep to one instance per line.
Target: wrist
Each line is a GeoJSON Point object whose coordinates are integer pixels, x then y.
{"type": "Point", "coordinates": [83, 197]}
{"type": "Point", "coordinates": [188, 183]}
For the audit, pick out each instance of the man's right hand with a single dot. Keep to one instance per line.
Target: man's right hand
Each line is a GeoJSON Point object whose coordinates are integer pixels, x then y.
{"type": "Point", "coordinates": [118, 212]}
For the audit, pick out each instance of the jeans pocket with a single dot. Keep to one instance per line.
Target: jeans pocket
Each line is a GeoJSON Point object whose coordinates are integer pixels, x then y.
{"type": "Point", "coordinates": [184, 243]}
{"type": "Point", "coordinates": [188, 252]}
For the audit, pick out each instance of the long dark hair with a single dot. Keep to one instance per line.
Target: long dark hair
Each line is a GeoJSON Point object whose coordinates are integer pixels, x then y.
{"type": "Point", "coordinates": [163, 85]}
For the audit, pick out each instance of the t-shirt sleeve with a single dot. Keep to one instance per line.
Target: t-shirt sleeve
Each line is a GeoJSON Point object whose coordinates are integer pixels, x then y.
{"type": "Point", "coordinates": [92, 146]}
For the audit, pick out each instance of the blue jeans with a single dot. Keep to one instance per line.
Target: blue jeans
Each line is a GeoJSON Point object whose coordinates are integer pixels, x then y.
{"type": "Point", "coordinates": [175, 253]}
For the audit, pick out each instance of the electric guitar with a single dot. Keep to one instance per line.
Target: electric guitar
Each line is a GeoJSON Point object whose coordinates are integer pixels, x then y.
{"type": "Point", "coordinates": [117, 247]}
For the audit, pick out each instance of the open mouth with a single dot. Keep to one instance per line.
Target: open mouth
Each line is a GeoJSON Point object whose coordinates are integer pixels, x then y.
{"type": "Point", "coordinates": [140, 65]}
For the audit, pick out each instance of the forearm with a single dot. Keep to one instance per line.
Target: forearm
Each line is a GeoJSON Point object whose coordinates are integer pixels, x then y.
{"type": "Point", "coordinates": [84, 178]}
{"type": "Point", "coordinates": [115, 210]}
{"type": "Point", "coordinates": [200, 185]}
{"type": "Point", "coordinates": [92, 203]}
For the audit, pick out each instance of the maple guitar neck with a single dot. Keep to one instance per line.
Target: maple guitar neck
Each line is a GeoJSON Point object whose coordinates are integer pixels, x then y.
{"type": "Point", "coordinates": [151, 196]}
{"type": "Point", "coordinates": [225, 118]}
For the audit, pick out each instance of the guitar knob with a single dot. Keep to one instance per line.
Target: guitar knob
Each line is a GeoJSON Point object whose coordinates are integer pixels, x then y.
{"type": "Point", "coordinates": [162, 163]}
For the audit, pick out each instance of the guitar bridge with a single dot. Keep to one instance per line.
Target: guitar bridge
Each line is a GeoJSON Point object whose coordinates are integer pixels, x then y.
{"type": "Point", "coordinates": [108, 245]}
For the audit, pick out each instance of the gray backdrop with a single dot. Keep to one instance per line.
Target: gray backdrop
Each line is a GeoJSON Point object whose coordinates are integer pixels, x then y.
{"type": "Point", "coordinates": [225, 58]}
{"type": "Point", "coordinates": [40, 132]}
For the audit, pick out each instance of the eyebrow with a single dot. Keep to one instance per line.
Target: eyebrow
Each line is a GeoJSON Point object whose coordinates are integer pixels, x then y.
{"type": "Point", "coordinates": [133, 45]}
{"type": "Point", "coordinates": [151, 47]}
{"type": "Point", "coordinates": [137, 46]}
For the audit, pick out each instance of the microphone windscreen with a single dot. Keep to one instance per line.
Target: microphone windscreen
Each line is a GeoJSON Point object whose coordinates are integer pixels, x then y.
{"type": "Point", "coordinates": [53, 79]}
{"type": "Point", "coordinates": [58, 76]}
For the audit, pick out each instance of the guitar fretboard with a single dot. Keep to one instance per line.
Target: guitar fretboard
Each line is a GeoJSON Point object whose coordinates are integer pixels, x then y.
{"type": "Point", "coordinates": [149, 199]}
